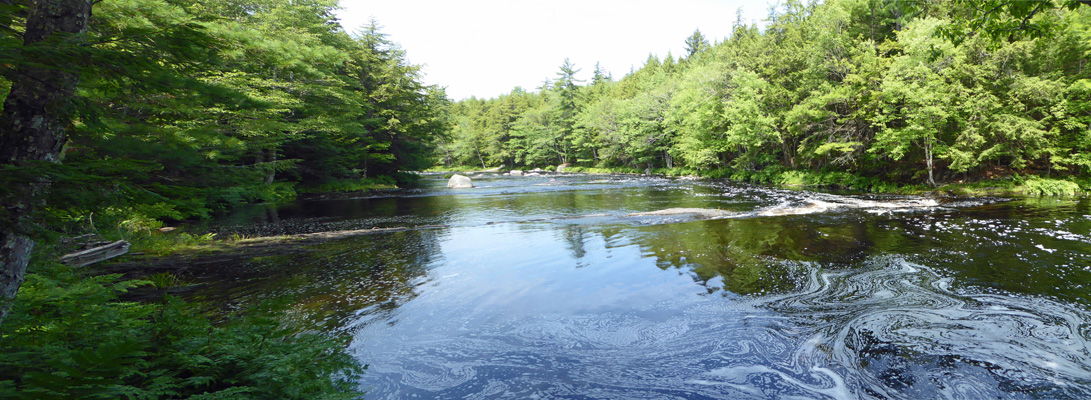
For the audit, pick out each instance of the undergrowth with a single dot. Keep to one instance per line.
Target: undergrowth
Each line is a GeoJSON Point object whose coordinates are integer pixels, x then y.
{"type": "Point", "coordinates": [70, 336]}
{"type": "Point", "coordinates": [353, 185]}
{"type": "Point", "coordinates": [1039, 186]}
{"type": "Point", "coordinates": [1031, 185]}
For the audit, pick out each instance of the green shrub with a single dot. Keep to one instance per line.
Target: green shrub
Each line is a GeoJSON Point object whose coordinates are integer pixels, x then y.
{"type": "Point", "coordinates": [353, 185]}
{"type": "Point", "coordinates": [165, 280]}
{"type": "Point", "coordinates": [457, 168]}
{"type": "Point", "coordinates": [69, 336]}
{"type": "Point", "coordinates": [1039, 186]}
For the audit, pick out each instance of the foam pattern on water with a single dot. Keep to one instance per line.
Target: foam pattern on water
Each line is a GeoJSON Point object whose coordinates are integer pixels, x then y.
{"type": "Point", "coordinates": [905, 334]}
{"type": "Point", "coordinates": [895, 330]}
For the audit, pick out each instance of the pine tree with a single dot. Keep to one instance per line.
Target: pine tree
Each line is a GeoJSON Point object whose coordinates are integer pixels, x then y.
{"type": "Point", "coordinates": [695, 43]}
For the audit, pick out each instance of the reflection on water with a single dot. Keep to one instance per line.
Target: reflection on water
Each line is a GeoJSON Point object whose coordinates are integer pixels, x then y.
{"type": "Point", "coordinates": [549, 287]}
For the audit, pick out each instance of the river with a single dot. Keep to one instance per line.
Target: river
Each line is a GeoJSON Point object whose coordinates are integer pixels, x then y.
{"type": "Point", "coordinates": [575, 287]}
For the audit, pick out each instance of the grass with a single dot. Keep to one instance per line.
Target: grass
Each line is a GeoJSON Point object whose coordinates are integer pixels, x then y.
{"type": "Point", "coordinates": [351, 185]}
{"type": "Point", "coordinates": [165, 280]}
{"type": "Point", "coordinates": [1031, 185]}
{"type": "Point", "coordinates": [457, 168]}
{"type": "Point", "coordinates": [166, 243]}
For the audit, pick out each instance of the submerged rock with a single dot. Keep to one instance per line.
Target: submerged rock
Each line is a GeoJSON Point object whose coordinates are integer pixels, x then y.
{"type": "Point", "coordinates": [460, 182]}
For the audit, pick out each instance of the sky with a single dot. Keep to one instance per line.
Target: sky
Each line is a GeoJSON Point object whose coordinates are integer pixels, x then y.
{"type": "Point", "coordinates": [485, 48]}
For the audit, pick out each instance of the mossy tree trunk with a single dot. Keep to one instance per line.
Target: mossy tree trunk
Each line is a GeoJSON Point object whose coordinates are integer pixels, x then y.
{"type": "Point", "coordinates": [33, 124]}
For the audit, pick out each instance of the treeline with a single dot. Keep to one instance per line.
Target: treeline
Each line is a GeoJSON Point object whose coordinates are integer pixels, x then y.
{"type": "Point", "coordinates": [187, 107]}
{"type": "Point", "coordinates": [118, 115]}
{"type": "Point", "coordinates": [856, 92]}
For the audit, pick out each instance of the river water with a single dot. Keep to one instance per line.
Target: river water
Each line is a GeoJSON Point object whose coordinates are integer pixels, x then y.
{"type": "Point", "coordinates": [583, 287]}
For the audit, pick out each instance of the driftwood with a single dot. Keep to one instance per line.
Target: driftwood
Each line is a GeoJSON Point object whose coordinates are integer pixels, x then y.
{"type": "Point", "coordinates": [96, 254]}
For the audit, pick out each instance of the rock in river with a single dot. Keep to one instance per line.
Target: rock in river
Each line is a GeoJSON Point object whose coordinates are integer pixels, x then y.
{"type": "Point", "coordinates": [459, 182]}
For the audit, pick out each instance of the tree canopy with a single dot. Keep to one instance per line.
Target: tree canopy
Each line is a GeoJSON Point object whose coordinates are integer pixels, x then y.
{"type": "Point", "coordinates": [874, 92]}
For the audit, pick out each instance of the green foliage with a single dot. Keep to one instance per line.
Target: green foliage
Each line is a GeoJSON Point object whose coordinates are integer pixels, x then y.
{"type": "Point", "coordinates": [867, 94]}
{"type": "Point", "coordinates": [1009, 20]}
{"type": "Point", "coordinates": [357, 185]}
{"type": "Point", "coordinates": [594, 170]}
{"type": "Point", "coordinates": [1035, 185]}
{"type": "Point", "coordinates": [165, 280]}
{"type": "Point", "coordinates": [454, 168]}
{"type": "Point", "coordinates": [185, 109]}
{"type": "Point", "coordinates": [157, 243]}
{"type": "Point", "coordinates": [69, 336]}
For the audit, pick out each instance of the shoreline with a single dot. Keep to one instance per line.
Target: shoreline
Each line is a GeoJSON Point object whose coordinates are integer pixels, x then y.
{"type": "Point", "coordinates": [1007, 185]}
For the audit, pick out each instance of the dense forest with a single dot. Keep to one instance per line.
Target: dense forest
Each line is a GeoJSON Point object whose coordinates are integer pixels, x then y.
{"type": "Point", "coordinates": [188, 107]}
{"type": "Point", "coordinates": [122, 115]}
{"type": "Point", "coordinates": [864, 93]}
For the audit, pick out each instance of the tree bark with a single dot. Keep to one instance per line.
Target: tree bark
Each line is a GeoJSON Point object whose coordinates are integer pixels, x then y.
{"type": "Point", "coordinates": [33, 128]}
{"type": "Point", "coordinates": [270, 156]}
{"type": "Point", "coordinates": [928, 162]}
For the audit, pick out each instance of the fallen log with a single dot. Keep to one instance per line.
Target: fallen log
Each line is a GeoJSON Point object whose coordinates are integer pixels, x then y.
{"type": "Point", "coordinates": [96, 254]}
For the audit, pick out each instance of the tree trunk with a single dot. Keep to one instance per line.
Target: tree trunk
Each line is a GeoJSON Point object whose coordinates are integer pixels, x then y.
{"type": "Point", "coordinates": [33, 127]}
{"type": "Point", "coordinates": [271, 158]}
{"type": "Point", "coordinates": [928, 161]}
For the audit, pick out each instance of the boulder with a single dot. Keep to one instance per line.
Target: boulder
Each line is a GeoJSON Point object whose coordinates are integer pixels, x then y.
{"type": "Point", "coordinates": [516, 172]}
{"type": "Point", "coordinates": [562, 167]}
{"type": "Point", "coordinates": [460, 182]}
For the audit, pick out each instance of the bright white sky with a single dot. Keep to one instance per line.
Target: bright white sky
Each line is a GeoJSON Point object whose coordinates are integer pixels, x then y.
{"type": "Point", "coordinates": [484, 48]}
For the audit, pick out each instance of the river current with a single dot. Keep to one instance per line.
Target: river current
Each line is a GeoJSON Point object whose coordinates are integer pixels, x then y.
{"type": "Point", "coordinates": [621, 287]}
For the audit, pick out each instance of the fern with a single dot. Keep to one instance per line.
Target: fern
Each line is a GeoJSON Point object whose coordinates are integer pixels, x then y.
{"type": "Point", "coordinates": [71, 337]}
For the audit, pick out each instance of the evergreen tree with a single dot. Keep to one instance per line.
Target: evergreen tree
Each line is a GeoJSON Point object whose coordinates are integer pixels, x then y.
{"type": "Point", "coordinates": [34, 125]}
{"type": "Point", "coordinates": [568, 102]}
{"type": "Point", "coordinates": [695, 43]}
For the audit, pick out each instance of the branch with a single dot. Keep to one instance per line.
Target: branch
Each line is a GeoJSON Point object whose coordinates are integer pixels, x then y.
{"type": "Point", "coordinates": [1023, 25]}
{"type": "Point", "coordinates": [995, 9]}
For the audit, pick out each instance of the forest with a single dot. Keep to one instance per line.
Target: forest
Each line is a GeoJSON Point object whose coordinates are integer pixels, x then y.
{"type": "Point", "coordinates": [122, 116]}
{"type": "Point", "coordinates": [866, 94]}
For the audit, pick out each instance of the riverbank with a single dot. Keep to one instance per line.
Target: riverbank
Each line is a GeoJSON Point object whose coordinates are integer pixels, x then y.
{"type": "Point", "coordinates": [180, 253]}
{"type": "Point", "coordinates": [1002, 185]}
{"type": "Point", "coordinates": [172, 258]}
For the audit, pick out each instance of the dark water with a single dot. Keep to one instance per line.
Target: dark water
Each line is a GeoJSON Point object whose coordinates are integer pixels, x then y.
{"type": "Point", "coordinates": [549, 287]}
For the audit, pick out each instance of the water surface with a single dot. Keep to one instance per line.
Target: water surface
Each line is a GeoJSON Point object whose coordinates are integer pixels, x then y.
{"type": "Point", "coordinates": [565, 286]}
